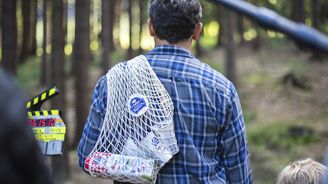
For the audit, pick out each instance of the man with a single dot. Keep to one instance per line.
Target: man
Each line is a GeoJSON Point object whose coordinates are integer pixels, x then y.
{"type": "Point", "coordinates": [208, 120]}
{"type": "Point", "coordinates": [20, 157]}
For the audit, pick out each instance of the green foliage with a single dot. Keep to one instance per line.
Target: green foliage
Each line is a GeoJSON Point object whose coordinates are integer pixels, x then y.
{"type": "Point", "coordinates": [215, 64]}
{"type": "Point", "coordinates": [249, 116]}
{"type": "Point", "coordinates": [256, 78]}
{"type": "Point", "coordinates": [28, 73]}
{"type": "Point", "coordinates": [208, 42]}
{"type": "Point", "coordinates": [282, 136]}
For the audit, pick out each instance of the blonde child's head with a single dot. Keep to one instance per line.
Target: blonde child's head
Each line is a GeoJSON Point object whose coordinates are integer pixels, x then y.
{"type": "Point", "coordinates": [305, 171]}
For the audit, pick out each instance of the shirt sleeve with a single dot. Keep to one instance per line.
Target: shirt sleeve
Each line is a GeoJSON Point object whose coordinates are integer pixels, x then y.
{"type": "Point", "coordinates": [235, 155]}
{"type": "Point", "coordinates": [94, 121]}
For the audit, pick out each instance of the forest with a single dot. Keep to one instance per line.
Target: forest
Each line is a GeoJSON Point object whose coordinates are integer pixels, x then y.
{"type": "Point", "coordinates": [282, 83]}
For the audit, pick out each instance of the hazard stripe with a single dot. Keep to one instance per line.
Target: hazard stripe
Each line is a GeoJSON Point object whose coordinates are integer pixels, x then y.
{"type": "Point", "coordinates": [37, 113]}
{"type": "Point", "coordinates": [44, 96]}
{"type": "Point", "coordinates": [43, 113]}
{"type": "Point", "coordinates": [52, 91]}
{"type": "Point", "coordinates": [55, 112]}
{"type": "Point", "coordinates": [28, 104]}
{"type": "Point", "coordinates": [35, 100]}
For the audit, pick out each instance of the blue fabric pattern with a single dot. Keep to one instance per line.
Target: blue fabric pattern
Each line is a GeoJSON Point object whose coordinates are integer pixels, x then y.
{"type": "Point", "coordinates": [208, 120]}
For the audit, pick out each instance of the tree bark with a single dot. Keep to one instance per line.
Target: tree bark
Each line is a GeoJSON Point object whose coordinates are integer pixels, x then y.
{"type": "Point", "coordinates": [34, 20]}
{"type": "Point", "coordinates": [111, 25]}
{"type": "Point", "coordinates": [60, 165]}
{"type": "Point", "coordinates": [26, 45]}
{"type": "Point", "coordinates": [81, 62]}
{"type": "Point", "coordinates": [107, 33]}
{"type": "Point", "coordinates": [117, 14]}
{"type": "Point", "coordinates": [315, 14]}
{"type": "Point", "coordinates": [298, 12]}
{"type": "Point", "coordinates": [230, 49]}
{"type": "Point", "coordinates": [240, 21]}
{"type": "Point", "coordinates": [141, 22]}
{"type": "Point", "coordinates": [9, 36]}
{"type": "Point", "coordinates": [43, 76]}
{"type": "Point", "coordinates": [257, 41]}
{"type": "Point", "coordinates": [130, 51]}
{"type": "Point", "coordinates": [220, 19]}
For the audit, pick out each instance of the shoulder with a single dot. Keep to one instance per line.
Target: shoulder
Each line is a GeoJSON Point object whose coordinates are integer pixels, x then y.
{"type": "Point", "coordinates": [99, 95]}
{"type": "Point", "coordinates": [213, 79]}
{"type": "Point", "coordinates": [101, 87]}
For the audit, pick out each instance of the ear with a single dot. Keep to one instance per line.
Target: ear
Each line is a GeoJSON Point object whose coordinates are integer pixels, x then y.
{"type": "Point", "coordinates": [151, 28]}
{"type": "Point", "coordinates": [198, 29]}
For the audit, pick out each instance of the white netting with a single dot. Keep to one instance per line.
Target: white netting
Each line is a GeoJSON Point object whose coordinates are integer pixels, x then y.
{"type": "Point", "coordinates": [137, 137]}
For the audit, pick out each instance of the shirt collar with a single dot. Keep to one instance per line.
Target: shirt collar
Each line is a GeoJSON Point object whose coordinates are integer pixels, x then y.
{"type": "Point", "coordinates": [171, 50]}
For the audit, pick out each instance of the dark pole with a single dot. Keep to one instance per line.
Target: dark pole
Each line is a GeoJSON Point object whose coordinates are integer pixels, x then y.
{"type": "Point", "coordinates": [271, 20]}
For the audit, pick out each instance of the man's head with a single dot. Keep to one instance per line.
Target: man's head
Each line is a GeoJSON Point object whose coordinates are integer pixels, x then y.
{"type": "Point", "coordinates": [302, 172]}
{"type": "Point", "coordinates": [175, 21]}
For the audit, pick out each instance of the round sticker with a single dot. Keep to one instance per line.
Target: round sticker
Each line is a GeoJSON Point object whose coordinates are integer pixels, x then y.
{"type": "Point", "coordinates": [138, 105]}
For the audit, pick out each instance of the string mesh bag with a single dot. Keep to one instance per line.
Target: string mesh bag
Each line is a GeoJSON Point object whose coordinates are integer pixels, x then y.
{"type": "Point", "coordinates": [137, 136]}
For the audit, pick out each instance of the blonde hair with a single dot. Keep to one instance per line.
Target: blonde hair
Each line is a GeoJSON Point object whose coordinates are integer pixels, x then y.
{"type": "Point", "coordinates": [305, 171]}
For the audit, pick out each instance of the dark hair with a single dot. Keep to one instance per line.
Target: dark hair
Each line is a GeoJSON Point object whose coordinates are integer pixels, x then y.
{"type": "Point", "coordinates": [174, 20]}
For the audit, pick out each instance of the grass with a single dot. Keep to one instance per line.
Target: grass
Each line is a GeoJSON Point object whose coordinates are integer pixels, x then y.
{"type": "Point", "coordinates": [282, 136]}
{"type": "Point", "coordinates": [256, 78]}
{"type": "Point", "coordinates": [273, 145]}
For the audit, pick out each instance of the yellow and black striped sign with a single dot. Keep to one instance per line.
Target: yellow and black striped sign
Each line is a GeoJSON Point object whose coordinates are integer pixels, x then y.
{"type": "Point", "coordinates": [35, 103]}
{"type": "Point", "coordinates": [43, 113]}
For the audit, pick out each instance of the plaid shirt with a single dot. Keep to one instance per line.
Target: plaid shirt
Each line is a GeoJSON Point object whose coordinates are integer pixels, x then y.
{"type": "Point", "coordinates": [208, 120]}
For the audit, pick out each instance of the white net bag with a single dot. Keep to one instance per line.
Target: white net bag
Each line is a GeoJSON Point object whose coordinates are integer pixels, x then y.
{"type": "Point", "coordinates": [137, 137]}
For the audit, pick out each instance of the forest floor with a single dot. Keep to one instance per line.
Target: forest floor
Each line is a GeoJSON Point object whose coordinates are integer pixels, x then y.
{"type": "Point", "coordinates": [284, 122]}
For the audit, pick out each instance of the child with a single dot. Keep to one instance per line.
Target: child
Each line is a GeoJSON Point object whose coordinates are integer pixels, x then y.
{"type": "Point", "coordinates": [305, 171]}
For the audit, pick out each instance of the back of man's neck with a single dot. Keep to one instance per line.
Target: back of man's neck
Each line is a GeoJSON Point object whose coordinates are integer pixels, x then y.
{"type": "Point", "coordinates": [184, 44]}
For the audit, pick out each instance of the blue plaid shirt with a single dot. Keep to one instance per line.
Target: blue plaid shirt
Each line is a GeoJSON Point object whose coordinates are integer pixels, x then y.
{"type": "Point", "coordinates": [208, 120]}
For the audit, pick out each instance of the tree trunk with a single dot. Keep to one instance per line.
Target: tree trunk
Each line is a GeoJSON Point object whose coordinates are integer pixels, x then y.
{"type": "Point", "coordinates": [43, 75]}
{"type": "Point", "coordinates": [34, 20]}
{"type": "Point", "coordinates": [81, 62]}
{"type": "Point", "coordinates": [26, 45]}
{"type": "Point", "coordinates": [117, 14]}
{"type": "Point", "coordinates": [111, 25]}
{"type": "Point", "coordinates": [240, 21]}
{"type": "Point", "coordinates": [141, 22]}
{"type": "Point", "coordinates": [60, 165]}
{"type": "Point", "coordinates": [221, 20]}
{"type": "Point", "coordinates": [108, 7]}
{"type": "Point", "coordinates": [130, 51]}
{"type": "Point", "coordinates": [315, 14]}
{"type": "Point", "coordinates": [257, 41]}
{"type": "Point", "coordinates": [230, 48]}
{"type": "Point", "coordinates": [298, 12]}
{"type": "Point", "coordinates": [9, 36]}
{"type": "Point", "coordinates": [105, 32]}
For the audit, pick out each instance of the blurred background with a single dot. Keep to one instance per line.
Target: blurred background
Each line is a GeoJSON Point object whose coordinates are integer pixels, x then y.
{"type": "Point", "coordinates": [282, 84]}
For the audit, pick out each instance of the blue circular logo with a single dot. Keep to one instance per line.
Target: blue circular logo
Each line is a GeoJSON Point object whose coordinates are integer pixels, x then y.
{"type": "Point", "coordinates": [138, 105]}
